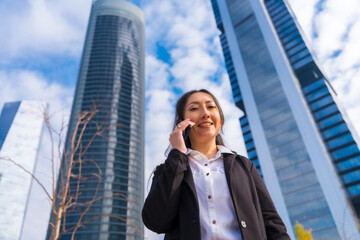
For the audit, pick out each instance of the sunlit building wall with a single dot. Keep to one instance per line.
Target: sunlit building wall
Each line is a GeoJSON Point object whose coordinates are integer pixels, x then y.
{"type": "Point", "coordinates": [111, 79]}
{"type": "Point", "coordinates": [295, 131]}
{"type": "Point", "coordinates": [21, 125]}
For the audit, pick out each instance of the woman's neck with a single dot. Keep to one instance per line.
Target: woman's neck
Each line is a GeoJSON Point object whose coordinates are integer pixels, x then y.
{"type": "Point", "coordinates": [208, 149]}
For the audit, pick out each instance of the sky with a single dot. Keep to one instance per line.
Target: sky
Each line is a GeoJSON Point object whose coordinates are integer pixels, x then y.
{"type": "Point", "coordinates": [42, 40]}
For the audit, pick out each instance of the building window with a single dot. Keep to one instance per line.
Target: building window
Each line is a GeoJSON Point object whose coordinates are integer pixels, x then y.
{"type": "Point", "coordinates": [321, 102]}
{"type": "Point", "coordinates": [339, 141]}
{"type": "Point", "coordinates": [326, 111]}
{"type": "Point", "coordinates": [354, 190]}
{"type": "Point", "coordinates": [336, 130]}
{"type": "Point", "coordinates": [351, 177]}
{"type": "Point", "coordinates": [247, 136]}
{"type": "Point", "coordinates": [317, 94]}
{"type": "Point", "coordinates": [348, 164]}
{"type": "Point", "coordinates": [344, 152]}
{"type": "Point", "coordinates": [244, 120]}
{"type": "Point", "coordinates": [330, 121]}
{"type": "Point", "coordinates": [245, 128]}
{"type": "Point", "coordinates": [299, 55]}
{"type": "Point", "coordinates": [296, 49]}
{"type": "Point", "coordinates": [250, 145]}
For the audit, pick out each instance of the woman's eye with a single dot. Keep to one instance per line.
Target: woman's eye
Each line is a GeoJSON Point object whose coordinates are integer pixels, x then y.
{"type": "Point", "coordinates": [212, 106]}
{"type": "Point", "coordinates": [192, 109]}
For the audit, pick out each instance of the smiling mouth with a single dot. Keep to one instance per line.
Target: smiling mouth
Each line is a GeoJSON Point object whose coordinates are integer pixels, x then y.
{"type": "Point", "coordinates": [205, 124]}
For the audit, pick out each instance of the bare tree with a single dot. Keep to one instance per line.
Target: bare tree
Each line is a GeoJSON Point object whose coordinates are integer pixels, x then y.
{"type": "Point", "coordinates": [65, 193]}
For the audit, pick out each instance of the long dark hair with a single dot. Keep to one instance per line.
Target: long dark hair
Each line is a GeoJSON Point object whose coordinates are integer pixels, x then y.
{"type": "Point", "coordinates": [179, 114]}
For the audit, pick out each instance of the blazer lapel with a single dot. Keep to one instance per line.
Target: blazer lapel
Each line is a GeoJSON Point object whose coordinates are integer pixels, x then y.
{"type": "Point", "coordinates": [232, 178]}
{"type": "Point", "coordinates": [229, 160]}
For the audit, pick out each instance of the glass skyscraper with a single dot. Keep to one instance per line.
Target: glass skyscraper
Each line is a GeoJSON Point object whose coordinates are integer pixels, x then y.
{"type": "Point", "coordinates": [111, 78]}
{"type": "Point", "coordinates": [295, 132]}
{"type": "Point", "coordinates": [21, 125]}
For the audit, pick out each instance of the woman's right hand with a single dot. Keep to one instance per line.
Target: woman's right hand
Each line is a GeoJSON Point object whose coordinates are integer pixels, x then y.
{"type": "Point", "coordinates": [176, 137]}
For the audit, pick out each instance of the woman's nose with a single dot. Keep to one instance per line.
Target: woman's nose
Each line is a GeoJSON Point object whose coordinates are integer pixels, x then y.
{"type": "Point", "coordinates": [205, 113]}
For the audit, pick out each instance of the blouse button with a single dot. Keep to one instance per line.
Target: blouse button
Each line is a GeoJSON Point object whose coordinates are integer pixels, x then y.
{"type": "Point", "coordinates": [209, 197]}
{"type": "Point", "coordinates": [213, 222]}
{"type": "Point", "coordinates": [243, 224]}
{"type": "Point", "coordinates": [207, 174]}
{"type": "Point", "coordinates": [206, 164]}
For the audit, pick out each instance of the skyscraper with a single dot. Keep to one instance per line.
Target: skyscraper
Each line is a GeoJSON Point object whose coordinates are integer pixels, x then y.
{"type": "Point", "coordinates": [111, 78]}
{"type": "Point", "coordinates": [294, 130]}
{"type": "Point", "coordinates": [21, 125]}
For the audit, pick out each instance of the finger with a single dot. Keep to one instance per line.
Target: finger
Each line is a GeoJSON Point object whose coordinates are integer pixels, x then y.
{"type": "Point", "coordinates": [184, 124]}
{"type": "Point", "coordinates": [189, 123]}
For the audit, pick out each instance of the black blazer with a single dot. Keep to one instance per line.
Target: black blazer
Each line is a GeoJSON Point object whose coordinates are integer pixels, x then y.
{"type": "Point", "coordinates": [171, 206]}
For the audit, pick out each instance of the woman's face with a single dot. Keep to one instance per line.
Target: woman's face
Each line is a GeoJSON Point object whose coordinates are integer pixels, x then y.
{"type": "Point", "coordinates": [202, 110]}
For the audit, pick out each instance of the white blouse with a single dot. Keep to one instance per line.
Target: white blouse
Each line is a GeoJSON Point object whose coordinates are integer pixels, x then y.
{"type": "Point", "coordinates": [217, 214]}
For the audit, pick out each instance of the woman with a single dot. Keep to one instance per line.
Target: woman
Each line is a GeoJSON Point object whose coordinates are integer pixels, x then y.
{"type": "Point", "coordinates": [203, 191]}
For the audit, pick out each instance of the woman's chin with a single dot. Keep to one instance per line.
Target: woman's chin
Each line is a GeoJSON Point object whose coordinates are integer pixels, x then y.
{"type": "Point", "coordinates": [203, 137]}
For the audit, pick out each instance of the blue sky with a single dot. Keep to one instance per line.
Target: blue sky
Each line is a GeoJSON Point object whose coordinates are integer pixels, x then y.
{"type": "Point", "coordinates": [41, 44]}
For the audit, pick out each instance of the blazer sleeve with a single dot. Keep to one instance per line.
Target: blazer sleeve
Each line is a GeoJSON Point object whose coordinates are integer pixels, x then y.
{"type": "Point", "coordinates": [274, 226]}
{"type": "Point", "coordinates": [161, 206]}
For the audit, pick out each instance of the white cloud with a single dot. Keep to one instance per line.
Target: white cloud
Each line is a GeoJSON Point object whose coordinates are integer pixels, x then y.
{"type": "Point", "coordinates": [43, 27]}
{"type": "Point", "coordinates": [199, 65]}
{"type": "Point", "coordinates": [157, 73]}
{"type": "Point", "coordinates": [30, 85]}
{"type": "Point", "coordinates": [349, 57]}
{"type": "Point", "coordinates": [332, 24]}
{"type": "Point", "coordinates": [159, 14]}
{"type": "Point", "coordinates": [348, 88]}
{"type": "Point", "coordinates": [159, 112]}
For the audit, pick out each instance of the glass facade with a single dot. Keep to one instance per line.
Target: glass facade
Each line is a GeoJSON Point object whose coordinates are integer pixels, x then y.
{"type": "Point", "coordinates": [111, 78]}
{"type": "Point", "coordinates": [319, 96]}
{"type": "Point", "coordinates": [301, 189]}
{"type": "Point", "coordinates": [21, 127]}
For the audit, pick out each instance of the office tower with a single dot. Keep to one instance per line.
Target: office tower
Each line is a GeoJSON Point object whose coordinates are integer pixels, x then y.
{"type": "Point", "coordinates": [111, 78]}
{"type": "Point", "coordinates": [294, 129]}
{"type": "Point", "coordinates": [21, 125]}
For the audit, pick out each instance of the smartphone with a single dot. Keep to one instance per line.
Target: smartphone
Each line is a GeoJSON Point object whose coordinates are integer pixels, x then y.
{"type": "Point", "coordinates": [185, 136]}
{"type": "Point", "coordinates": [186, 131]}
